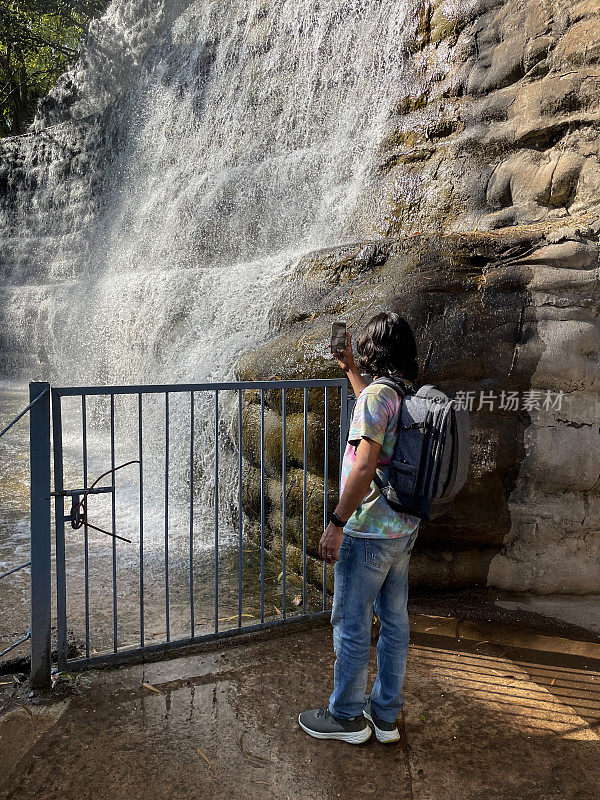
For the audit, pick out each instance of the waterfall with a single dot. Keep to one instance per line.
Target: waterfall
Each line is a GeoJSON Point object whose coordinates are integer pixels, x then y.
{"type": "Point", "coordinates": [207, 150]}
{"type": "Point", "coordinates": [241, 140]}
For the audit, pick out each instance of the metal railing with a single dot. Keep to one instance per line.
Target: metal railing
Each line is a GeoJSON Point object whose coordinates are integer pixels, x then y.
{"type": "Point", "coordinates": [28, 631]}
{"type": "Point", "coordinates": [44, 415]}
{"type": "Point", "coordinates": [39, 628]}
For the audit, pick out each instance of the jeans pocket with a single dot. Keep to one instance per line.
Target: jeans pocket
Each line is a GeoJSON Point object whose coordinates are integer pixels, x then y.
{"type": "Point", "coordinates": [339, 571]}
{"type": "Point", "coordinates": [379, 552]}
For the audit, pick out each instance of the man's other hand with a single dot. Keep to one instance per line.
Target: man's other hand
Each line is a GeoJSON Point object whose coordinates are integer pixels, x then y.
{"type": "Point", "coordinates": [329, 546]}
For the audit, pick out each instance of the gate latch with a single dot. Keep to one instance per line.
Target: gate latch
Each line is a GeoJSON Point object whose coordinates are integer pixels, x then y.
{"type": "Point", "coordinates": [78, 514]}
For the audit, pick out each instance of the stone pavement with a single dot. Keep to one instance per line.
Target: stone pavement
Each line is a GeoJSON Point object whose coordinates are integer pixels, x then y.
{"type": "Point", "coordinates": [491, 712]}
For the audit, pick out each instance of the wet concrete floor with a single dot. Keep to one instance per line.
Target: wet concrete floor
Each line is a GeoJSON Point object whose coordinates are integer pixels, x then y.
{"type": "Point", "coordinates": [491, 712]}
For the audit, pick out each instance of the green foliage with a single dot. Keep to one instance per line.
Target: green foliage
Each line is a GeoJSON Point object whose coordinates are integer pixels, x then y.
{"type": "Point", "coordinates": [39, 40]}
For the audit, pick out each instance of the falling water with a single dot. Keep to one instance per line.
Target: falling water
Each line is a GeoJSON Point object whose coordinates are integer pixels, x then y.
{"type": "Point", "coordinates": [239, 137]}
{"type": "Point", "coordinates": [244, 139]}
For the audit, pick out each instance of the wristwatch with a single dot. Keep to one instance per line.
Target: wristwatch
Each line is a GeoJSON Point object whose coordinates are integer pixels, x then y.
{"type": "Point", "coordinates": [337, 521]}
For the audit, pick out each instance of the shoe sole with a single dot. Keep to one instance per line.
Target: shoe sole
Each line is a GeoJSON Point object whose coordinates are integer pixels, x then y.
{"type": "Point", "coordinates": [384, 737]}
{"type": "Point", "coordinates": [350, 737]}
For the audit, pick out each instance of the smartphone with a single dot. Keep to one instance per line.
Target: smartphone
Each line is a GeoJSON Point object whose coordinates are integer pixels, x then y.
{"type": "Point", "coordinates": [338, 337]}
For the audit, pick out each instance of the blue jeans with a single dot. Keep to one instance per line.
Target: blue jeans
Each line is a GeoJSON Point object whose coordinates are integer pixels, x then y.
{"type": "Point", "coordinates": [370, 574]}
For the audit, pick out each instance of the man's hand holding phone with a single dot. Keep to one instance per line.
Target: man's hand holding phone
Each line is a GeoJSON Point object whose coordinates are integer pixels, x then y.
{"type": "Point", "coordinates": [341, 346]}
{"type": "Point", "coordinates": [344, 356]}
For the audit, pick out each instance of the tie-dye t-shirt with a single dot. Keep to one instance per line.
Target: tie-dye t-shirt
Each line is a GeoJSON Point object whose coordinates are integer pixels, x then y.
{"type": "Point", "coordinates": [376, 418]}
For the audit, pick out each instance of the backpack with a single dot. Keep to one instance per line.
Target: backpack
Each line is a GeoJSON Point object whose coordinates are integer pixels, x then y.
{"type": "Point", "coordinates": [431, 455]}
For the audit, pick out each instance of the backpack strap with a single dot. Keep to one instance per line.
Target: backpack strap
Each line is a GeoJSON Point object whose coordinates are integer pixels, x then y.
{"type": "Point", "coordinates": [395, 383]}
{"type": "Point", "coordinates": [403, 390]}
{"type": "Point", "coordinates": [380, 485]}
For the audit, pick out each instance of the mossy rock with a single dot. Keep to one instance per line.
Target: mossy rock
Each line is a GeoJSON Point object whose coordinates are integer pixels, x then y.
{"type": "Point", "coordinates": [314, 569]}
{"type": "Point", "coordinates": [294, 428]}
{"type": "Point", "coordinates": [273, 504]}
{"type": "Point", "coordinates": [411, 103]}
{"type": "Point", "coordinates": [401, 139]}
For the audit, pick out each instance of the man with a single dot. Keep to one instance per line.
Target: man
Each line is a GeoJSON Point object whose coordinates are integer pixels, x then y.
{"type": "Point", "coordinates": [370, 545]}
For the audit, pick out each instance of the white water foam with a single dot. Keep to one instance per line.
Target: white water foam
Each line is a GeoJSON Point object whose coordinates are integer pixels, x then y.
{"type": "Point", "coordinates": [244, 139]}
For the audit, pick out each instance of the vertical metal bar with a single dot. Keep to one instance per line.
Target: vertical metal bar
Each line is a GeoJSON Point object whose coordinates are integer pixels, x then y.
{"type": "Point", "coordinates": [216, 510]}
{"type": "Point", "coordinates": [113, 518]}
{"type": "Point", "coordinates": [41, 594]}
{"type": "Point", "coordinates": [262, 505]}
{"type": "Point", "coordinates": [140, 457]}
{"type": "Point", "coordinates": [240, 521]}
{"type": "Point", "coordinates": [86, 559]}
{"type": "Point", "coordinates": [325, 486]}
{"type": "Point", "coordinates": [192, 620]}
{"type": "Point", "coordinates": [304, 469]}
{"type": "Point", "coordinates": [59, 516]}
{"type": "Point", "coordinates": [283, 498]}
{"type": "Point", "coordinates": [167, 615]}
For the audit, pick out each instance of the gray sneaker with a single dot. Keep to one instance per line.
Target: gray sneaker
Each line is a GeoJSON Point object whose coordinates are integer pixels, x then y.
{"type": "Point", "coordinates": [386, 732]}
{"type": "Point", "coordinates": [321, 724]}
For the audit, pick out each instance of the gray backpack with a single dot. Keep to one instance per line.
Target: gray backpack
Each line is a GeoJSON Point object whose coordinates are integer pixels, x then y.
{"type": "Point", "coordinates": [431, 456]}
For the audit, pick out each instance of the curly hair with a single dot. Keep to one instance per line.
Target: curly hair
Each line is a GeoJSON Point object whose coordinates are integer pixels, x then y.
{"type": "Point", "coordinates": [386, 346]}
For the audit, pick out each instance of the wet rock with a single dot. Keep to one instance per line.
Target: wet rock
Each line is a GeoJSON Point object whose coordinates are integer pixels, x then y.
{"type": "Point", "coordinates": [513, 313]}
{"type": "Point", "coordinates": [503, 111]}
{"type": "Point", "coordinates": [500, 134]}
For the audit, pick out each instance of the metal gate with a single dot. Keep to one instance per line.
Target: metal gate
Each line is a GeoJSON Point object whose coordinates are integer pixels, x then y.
{"type": "Point", "coordinates": [312, 400]}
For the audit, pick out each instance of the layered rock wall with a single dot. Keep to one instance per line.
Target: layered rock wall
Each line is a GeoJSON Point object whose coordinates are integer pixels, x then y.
{"type": "Point", "coordinates": [501, 124]}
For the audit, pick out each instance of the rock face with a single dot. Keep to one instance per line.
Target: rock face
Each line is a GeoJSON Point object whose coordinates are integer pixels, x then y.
{"type": "Point", "coordinates": [501, 124]}
{"type": "Point", "coordinates": [481, 227]}
{"type": "Point", "coordinates": [501, 315]}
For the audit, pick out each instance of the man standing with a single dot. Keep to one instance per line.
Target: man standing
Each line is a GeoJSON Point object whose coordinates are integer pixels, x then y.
{"type": "Point", "coordinates": [370, 545]}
